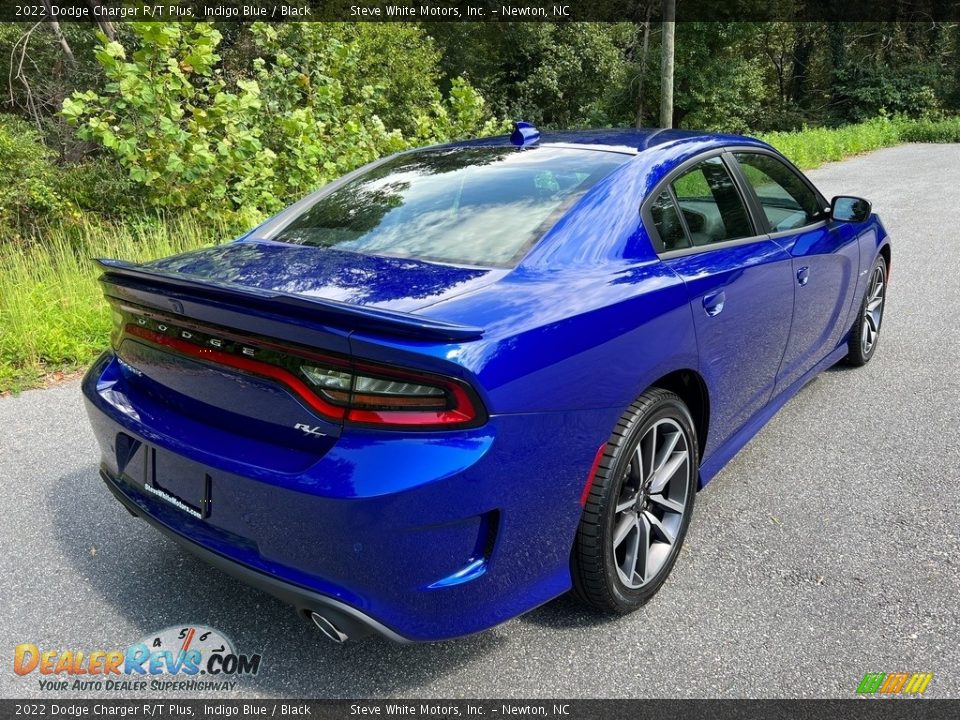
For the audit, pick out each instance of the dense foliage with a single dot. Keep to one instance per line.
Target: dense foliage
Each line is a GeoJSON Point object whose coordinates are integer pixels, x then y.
{"type": "Point", "coordinates": [29, 190]}
{"type": "Point", "coordinates": [311, 106]}
{"type": "Point", "coordinates": [234, 121]}
{"type": "Point", "coordinates": [729, 76]}
{"type": "Point", "coordinates": [153, 138]}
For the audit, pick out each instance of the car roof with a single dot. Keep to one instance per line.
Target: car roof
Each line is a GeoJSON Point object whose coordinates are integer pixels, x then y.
{"type": "Point", "coordinates": [626, 140]}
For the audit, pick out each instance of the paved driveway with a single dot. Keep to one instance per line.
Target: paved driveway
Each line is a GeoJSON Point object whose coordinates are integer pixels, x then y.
{"type": "Point", "coordinates": [827, 549]}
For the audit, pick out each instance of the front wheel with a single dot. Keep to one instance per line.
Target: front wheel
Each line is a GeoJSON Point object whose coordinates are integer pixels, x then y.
{"type": "Point", "coordinates": [865, 333]}
{"type": "Point", "coordinates": [639, 506]}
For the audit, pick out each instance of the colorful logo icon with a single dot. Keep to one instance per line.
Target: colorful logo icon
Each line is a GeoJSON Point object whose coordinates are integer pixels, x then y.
{"type": "Point", "coordinates": [894, 683]}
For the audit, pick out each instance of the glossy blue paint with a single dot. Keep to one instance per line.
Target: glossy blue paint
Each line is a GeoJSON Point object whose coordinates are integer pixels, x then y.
{"type": "Point", "coordinates": [741, 345]}
{"type": "Point", "coordinates": [829, 259]}
{"type": "Point", "coordinates": [402, 284]}
{"type": "Point", "coordinates": [524, 134]}
{"type": "Point", "coordinates": [435, 534]}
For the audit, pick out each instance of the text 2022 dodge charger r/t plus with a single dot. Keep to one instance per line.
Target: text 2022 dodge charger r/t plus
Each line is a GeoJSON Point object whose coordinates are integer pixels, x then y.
{"type": "Point", "coordinates": [465, 379]}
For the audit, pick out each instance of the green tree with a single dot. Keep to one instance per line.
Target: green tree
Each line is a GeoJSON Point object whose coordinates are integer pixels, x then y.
{"type": "Point", "coordinates": [555, 75]}
{"type": "Point", "coordinates": [305, 111]}
{"type": "Point", "coordinates": [720, 77]}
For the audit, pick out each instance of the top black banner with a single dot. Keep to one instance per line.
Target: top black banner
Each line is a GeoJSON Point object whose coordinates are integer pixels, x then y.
{"type": "Point", "coordinates": [91, 11]}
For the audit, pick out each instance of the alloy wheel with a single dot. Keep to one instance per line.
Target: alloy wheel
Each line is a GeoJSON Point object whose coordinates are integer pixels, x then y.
{"type": "Point", "coordinates": [651, 503]}
{"type": "Point", "coordinates": [873, 310]}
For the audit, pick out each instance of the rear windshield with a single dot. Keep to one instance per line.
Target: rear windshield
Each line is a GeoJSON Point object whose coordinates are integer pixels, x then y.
{"type": "Point", "coordinates": [470, 206]}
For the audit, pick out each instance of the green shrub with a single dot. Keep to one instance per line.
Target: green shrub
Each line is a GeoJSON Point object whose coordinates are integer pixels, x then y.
{"type": "Point", "coordinates": [169, 120]}
{"type": "Point", "coordinates": [101, 186]}
{"type": "Point", "coordinates": [946, 130]}
{"type": "Point", "coordinates": [190, 138]}
{"type": "Point", "coordinates": [29, 191]}
{"type": "Point", "coordinates": [870, 90]}
{"type": "Point", "coordinates": [811, 147]}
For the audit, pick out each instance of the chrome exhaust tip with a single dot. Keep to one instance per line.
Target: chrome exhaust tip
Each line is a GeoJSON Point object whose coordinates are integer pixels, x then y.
{"type": "Point", "coordinates": [331, 631]}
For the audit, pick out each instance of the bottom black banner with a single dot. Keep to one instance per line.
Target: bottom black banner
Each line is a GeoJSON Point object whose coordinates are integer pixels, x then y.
{"type": "Point", "coordinates": [874, 709]}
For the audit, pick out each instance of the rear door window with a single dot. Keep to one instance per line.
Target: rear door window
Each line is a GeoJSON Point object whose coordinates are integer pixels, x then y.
{"type": "Point", "coordinates": [711, 204]}
{"type": "Point", "coordinates": [666, 218]}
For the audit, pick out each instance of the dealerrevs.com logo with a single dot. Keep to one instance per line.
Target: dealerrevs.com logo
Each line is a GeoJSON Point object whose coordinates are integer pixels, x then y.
{"type": "Point", "coordinates": [189, 658]}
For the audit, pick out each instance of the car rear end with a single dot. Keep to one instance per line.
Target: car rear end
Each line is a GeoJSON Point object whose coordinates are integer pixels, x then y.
{"type": "Point", "coordinates": [341, 454]}
{"type": "Point", "coordinates": [254, 433]}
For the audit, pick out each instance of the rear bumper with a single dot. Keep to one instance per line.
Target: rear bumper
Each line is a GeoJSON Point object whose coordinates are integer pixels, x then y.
{"type": "Point", "coordinates": [418, 537]}
{"type": "Point", "coordinates": [354, 623]}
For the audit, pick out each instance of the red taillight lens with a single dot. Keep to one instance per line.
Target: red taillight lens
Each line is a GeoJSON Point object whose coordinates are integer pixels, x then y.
{"type": "Point", "coordinates": [335, 387]}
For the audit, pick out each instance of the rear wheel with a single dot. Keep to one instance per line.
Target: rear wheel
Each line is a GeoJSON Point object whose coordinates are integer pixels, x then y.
{"type": "Point", "coordinates": [639, 506]}
{"type": "Point", "coordinates": [865, 333]}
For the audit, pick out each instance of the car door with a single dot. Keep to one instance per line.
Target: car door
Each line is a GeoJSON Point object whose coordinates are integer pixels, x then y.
{"type": "Point", "coordinates": [739, 282]}
{"type": "Point", "coordinates": [825, 258]}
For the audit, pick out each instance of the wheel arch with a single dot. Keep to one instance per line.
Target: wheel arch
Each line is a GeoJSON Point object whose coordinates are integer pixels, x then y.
{"type": "Point", "coordinates": [690, 386]}
{"type": "Point", "coordinates": [886, 255]}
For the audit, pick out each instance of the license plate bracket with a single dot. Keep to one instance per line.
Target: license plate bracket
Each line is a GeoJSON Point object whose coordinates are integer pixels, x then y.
{"type": "Point", "coordinates": [179, 482]}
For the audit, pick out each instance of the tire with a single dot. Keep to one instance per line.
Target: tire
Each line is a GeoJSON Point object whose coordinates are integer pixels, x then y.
{"type": "Point", "coordinates": [601, 556]}
{"type": "Point", "coordinates": [865, 333]}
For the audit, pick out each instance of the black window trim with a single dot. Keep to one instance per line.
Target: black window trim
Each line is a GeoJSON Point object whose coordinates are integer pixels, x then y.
{"type": "Point", "coordinates": [683, 221]}
{"type": "Point", "coordinates": [758, 220]}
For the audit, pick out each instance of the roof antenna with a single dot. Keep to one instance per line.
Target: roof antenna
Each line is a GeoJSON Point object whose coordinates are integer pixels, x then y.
{"type": "Point", "coordinates": [524, 134]}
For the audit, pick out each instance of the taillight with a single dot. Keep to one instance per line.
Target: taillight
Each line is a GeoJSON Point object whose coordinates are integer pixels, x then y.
{"type": "Point", "coordinates": [336, 387]}
{"type": "Point", "coordinates": [370, 393]}
{"type": "Point", "coordinates": [380, 395]}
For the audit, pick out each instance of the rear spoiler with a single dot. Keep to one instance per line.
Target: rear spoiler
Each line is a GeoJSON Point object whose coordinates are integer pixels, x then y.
{"type": "Point", "coordinates": [133, 276]}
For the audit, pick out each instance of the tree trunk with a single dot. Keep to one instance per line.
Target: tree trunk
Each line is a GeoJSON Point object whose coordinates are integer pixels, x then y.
{"type": "Point", "coordinates": [666, 63]}
{"type": "Point", "coordinates": [838, 59]}
{"type": "Point", "coordinates": [802, 51]}
{"type": "Point", "coordinates": [956, 61]}
{"type": "Point", "coordinates": [61, 38]}
{"type": "Point", "coordinates": [644, 52]}
{"type": "Point", "coordinates": [105, 25]}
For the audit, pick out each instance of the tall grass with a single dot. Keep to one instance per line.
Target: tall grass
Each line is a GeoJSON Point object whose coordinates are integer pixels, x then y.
{"type": "Point", "coordinates": [52, 313]}
{"type": "Point", "coordinates": [53, 317]}
{"type": "Point", "coordinates": [811, 147]}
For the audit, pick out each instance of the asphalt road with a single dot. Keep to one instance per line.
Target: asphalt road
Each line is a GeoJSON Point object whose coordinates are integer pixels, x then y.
{"type": "Point", "coordinates": [829, 548]}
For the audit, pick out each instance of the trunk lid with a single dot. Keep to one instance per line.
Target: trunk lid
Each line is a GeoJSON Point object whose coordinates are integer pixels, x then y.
{"type": "Point", "coordinates": [390, 283]}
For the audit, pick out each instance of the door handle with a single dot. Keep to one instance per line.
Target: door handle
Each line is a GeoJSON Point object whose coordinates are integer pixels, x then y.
{"type": "Point", "coordinates": [803, 275]}
{"type": "Point", "coordinates": [713, 303]}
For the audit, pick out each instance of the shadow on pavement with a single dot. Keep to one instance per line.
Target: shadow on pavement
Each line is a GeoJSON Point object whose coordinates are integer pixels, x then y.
{"type": "Point", "coordinates": [567, 612]}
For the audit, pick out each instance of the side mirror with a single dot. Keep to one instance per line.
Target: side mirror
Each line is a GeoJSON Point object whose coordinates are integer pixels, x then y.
{"type": "Point", "coordinates": [846, 208]}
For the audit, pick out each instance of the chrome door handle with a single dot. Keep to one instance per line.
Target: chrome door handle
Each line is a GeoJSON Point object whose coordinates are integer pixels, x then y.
{"type": "Point", "coordinates": [803, 275]}
{"type": "Point", "coordinates": [713, 303]}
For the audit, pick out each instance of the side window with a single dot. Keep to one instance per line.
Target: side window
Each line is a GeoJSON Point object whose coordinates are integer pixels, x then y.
{"type": "Point", "coordinates": [666, 218]}
{"type": "Point", "coordinates": [786, 200]}
{"type": "Point", "coordinates": [711, 204]}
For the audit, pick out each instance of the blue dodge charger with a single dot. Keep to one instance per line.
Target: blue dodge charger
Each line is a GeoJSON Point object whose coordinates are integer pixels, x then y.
{"type": "Point", "coordinates": [465, 379]}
